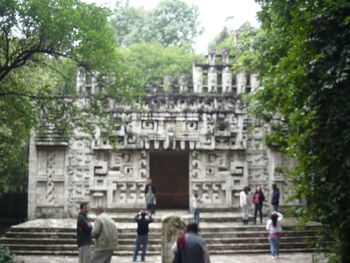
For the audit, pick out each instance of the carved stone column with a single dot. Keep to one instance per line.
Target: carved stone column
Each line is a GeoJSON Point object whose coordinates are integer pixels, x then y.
{"type": "Point", "coordinates": [197, 78]}
{"type": "Point", "coordinates": [226, 80]}
{"type": "Point", "coordinates": [212, 80]}
{"type": "Point", "coordinates": [172, 227]}
{"type": "Point", "coordinates": [225, 56]}
{"type": "Point", "coordinates": [183, 84]}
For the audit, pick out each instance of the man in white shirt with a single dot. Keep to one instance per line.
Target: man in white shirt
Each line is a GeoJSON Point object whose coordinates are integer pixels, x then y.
{"type": "Point", "coordinates": [245, 203]}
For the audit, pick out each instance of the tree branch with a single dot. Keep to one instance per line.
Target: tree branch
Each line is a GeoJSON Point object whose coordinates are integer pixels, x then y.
{"type": "Point", "coordinates": [33, 96]}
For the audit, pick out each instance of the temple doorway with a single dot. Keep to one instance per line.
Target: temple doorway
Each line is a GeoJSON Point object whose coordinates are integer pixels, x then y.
{"type": "Point", "coordinates": [169, 171]}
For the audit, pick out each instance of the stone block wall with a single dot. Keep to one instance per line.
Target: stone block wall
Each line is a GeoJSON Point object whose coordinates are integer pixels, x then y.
{"type": "Point", "coordinates": [208, 120]}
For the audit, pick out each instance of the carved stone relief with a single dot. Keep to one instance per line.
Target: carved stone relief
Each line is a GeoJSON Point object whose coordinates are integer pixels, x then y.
{"type": "Point", "coordinates": [50, 179]}
{"type": "Point", "coordinates": [225, 146]}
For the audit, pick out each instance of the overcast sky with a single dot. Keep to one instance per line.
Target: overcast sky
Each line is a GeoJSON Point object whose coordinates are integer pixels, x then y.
{"type": "Point", "coordinates": [213, 15]}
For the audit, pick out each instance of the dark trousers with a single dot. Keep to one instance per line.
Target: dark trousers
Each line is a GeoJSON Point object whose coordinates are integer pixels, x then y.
{"type": "Point", "coordinates": [258, 207]}
{"type": "Point", "coordinates": [151, 208]}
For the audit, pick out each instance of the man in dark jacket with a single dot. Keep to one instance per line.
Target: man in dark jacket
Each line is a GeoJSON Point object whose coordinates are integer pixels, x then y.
{"type": "Point", "coordinates": [84, 234]}
{"type": "Point", "coordinates": [150, 185]}
{"type": "Point", "coordinates": [142, 233]}
{"type": "Point", "coordinates": [275, 198]}
{"type": "Point", "coordinates": [190, 247]}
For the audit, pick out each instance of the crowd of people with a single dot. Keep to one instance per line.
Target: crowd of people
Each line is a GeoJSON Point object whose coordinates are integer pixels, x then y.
{"type": "Point", "coordinates": [188, 247]}
{"type": "Point", "coordinates": [256, 200]}
{"type": "Point", "coordinates": [247, 200]}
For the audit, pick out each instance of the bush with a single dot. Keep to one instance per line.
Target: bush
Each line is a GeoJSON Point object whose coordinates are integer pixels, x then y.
{"type": "Point", "coordinates": [6, 256]}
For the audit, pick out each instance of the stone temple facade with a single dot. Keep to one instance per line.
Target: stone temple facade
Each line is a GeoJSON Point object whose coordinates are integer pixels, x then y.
{"type": "Point", "coordinates": [187, 138]}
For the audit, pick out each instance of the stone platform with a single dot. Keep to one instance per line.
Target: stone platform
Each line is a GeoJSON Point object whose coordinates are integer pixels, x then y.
{"type": "Point", "coordinates": [223, 232]}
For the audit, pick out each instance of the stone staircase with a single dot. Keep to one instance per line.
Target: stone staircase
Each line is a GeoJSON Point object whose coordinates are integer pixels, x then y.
{"type": "Point", "coordinates": [223, 233]}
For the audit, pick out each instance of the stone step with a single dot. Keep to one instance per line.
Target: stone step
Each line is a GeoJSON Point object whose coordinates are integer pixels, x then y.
{"type": "Point", "coordinates": [74, 253]}
{"type": "Point", "coordinates": [254, 240]}
{"type": "Point", "coordinates": [266, 251]}
{"type": "Point", "coordinates": [207, 235]}
{"type": "Point", "coordinates": [223, 228]}
{"type": "Point", "coordinates": [128, 241]}
{"type": "Point", "coordinates": [68, 247]}
{"type": "Point", "coordinates": [132, 234]}
{"type": "Point", "coordinates": [206, 227]}
{"type": "Point", "coordinates": [224, 251]}
{"type": "Point", "coordinates": [261, 245]}
{"type": "Point", "coordinates": [58, 237]}
{"type": "Point", "coordinates": [68, 241]}
{"type": "Point", "coordinates": [68, 235]}
{"type": "Point", "coordinates": [159, 219]}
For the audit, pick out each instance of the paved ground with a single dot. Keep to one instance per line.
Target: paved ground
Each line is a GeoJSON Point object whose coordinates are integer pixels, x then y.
{"type": "Point", "coordinates": [287, 258]}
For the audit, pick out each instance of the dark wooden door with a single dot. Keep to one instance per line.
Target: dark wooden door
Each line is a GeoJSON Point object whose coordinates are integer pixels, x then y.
{"type": "Point", "coordinates": [169, 171]}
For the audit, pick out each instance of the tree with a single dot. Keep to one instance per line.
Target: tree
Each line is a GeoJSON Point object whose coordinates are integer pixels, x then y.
{"type": "Point", "coordinates": [131, 24]}
{"type": "Point", "coordinates": [241, 43]}
{"type": "Point", "coordinates": [42, 42]}
{"type": "Point", "coordinates": [225, 39]}
{"type": "Point", "coordinates": [171, 23]}
{"type": "Point", "coordinates": [151, 62]}
{"type": "Point", "coordinates": [65, 28]}
{"type": "Point", "coordinates": [306, 79]}
{"type": "Point", "coordinates": [175, 23]}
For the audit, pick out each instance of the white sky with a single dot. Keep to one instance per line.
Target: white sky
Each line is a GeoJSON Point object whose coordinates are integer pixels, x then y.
{"type": "Point", "coordinates": [213, 15]}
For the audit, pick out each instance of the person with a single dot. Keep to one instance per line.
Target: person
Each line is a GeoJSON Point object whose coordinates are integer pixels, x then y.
{"type": "Point", "coordinates": [150, 201]}
{"type": "Point", "coordinates": [275, 198]}
{"type": "Point", "coordinates": [245, 203]}
{"type": "Point", "coordinates": [196, 204]}
{"type": "Point", "coordinates": [142, 234]}
{"type": "Point", "coordinates": [258, 200]}
{"type": "Point", "coordinates": [274, 227]}
{"type": "Point", "coordinates": [190, 247]}
{"type": "Point", "coordinates": [150, 185]}
{"type": "Point", "coordinates": [106, 234]}
{"type": "Point", "coordinates": [84, 234]}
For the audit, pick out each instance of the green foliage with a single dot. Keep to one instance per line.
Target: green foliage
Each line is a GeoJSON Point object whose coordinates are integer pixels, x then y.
{"type": "Point", "coordinates": [67, 28]}
{"type": "Point", "coordinates": [241, 43]}
{"type": "Point", "coordinates": [150, 62]}
{"type": "Point", "coordinates": [42, 43]}
{"type": "Point", "coordinates": [277, 137]}
{"type": "Point", "coordinates": [171, 23]}
{"type": "Point", "coordinates": [224, 39]}
{"type": "Point", "coordinates": [305, 50]}
{"type": "Point", "coordinates": [6, 256]}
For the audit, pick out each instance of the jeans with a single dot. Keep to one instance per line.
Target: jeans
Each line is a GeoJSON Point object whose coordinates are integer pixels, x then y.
{"type": "Point", "coordinates": [258, 208]}
{"type": "Point", "coordinates": [151, 208]}
{"type": "Point", "coordinates": [140, 240]}
{"type": "Point", "coordinates": [196, 215]}
{"type": "Point", "coordinates": [274, 207]}
{"type": "Point", "coordinates": [274, 245]}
